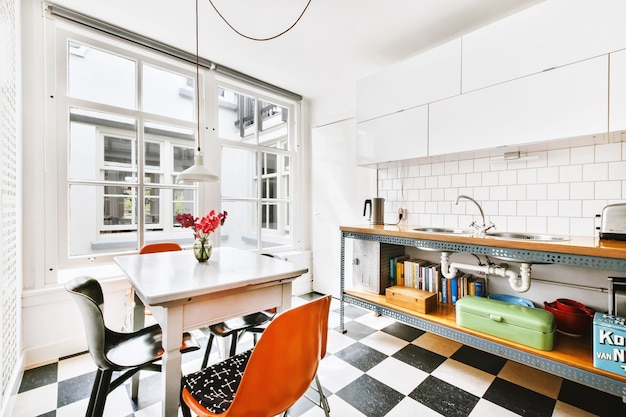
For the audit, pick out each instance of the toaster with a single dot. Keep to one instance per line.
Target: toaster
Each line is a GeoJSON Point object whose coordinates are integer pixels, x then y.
{"type": "Point", "coordinates": [613, 225]}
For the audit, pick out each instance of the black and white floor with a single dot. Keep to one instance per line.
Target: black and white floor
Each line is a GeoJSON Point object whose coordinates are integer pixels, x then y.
{"type": "Point", "coordinates": [378, 368]}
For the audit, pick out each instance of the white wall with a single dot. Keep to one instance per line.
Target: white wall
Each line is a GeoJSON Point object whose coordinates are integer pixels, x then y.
{"type": "Point", "coordinates": [338, 189]}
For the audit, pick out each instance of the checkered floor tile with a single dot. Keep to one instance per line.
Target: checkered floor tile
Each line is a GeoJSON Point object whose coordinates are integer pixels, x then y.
{"type": "Point", "coordinates": [379, 367]}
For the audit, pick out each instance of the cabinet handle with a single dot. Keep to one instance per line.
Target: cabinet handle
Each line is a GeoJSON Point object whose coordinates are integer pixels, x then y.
{"type": "Point", "coordinates": [356, 261]}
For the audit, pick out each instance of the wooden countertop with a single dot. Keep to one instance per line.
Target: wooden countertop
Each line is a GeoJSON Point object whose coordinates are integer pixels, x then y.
{"type": "Point", "coordinates": [575, 245]}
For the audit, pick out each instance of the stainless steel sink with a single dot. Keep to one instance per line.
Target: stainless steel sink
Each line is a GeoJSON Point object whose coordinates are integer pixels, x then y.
{"type": "Point", "coordinates": [526, 236]}
{"type": "Point", "coordinates": [444, 230]}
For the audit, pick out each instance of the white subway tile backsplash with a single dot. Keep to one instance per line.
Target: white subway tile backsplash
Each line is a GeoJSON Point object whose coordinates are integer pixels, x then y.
{"type": "Point", "coordinates": [507, 177]}
{"type": "Point", "coordinates": [516, 192]}
{"type": "Point", "coordinates": [451, 167]}
{"type": "Point", "coordinates": [609, 190]}
{"type": "Point", "coordinates": [582, 155]}
{"type": "Point", "coordinates": [570, 208]}
{"type": "Point", "coordinates": [608, 152]}
{"type": "Point", "coordinates": [527, 176]}
{"type": "Point", "coordinates": [537, 191]}
{"type": "Point", "coordinates": [444, 181]}
{"type": "Point", "coordinates": [560, 192]}
{"type": "Point", "coordinates": [558, 225]}
{"type": "Point", "coordinates": [507, 208]}
{"type": "Point", "coordinates": [490, 178]}
{"type": "Point", "coordinates": [516, 224]}
{"type": "Point", "coordinates": [547, 175]}
{"type": "Point", "coordinates": [438, 168]}
{"type": "Point", "coordinates": [536, 224]}
{"type": "Point", "coordinates": [582, 226]}
{"type": "Point", "coordinates": [466, 166]}
{"type": "Point", "coordinates": [547, 208]}
{"type": "Point", "coordinates": [526, 208]}
{"type": "Point", "coordinates": [581, 190]}
{"type": "Point", "coordinates": [617, 170]}
{"type": "Point", "coordinates": [596, 172]}
{"type": "Point", "coordinates": [570, 173]}
{"type": "Point", "coordinates": [498, 193]}
{"type": "Point", "coordinates": [558, 157]}
{"type": "Point", "coordinates": [473, 179]}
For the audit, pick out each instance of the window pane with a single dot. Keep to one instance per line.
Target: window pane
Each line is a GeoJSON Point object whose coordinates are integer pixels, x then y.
{"type": "Point", "coordinates": [236, 116]}
{"type": "Point", "coordinates": [276, 230]}
{"type": "Point", "coordinates": [183, 202]}
{"type": "Point", "coordinates": [117, 151]}
{"type": "Point", "coordinates": [273, 123]}
{"type": "Point", "coordinates": [240, 228]}
{"type": "Point", "coordinates": [93, 145]}
{"type": "Point", "coordinates": [168, 93]}
{"type": "Point", "coordinates": [183, 158]}
{"type": "Point", "coordinates": [90, 76]}
{"type": "Point", "coordinates": [238, 173]}
{"type": "Point", "coordinates": [153, 155]}
{"type": "Point", "coordinates": [101, 219]}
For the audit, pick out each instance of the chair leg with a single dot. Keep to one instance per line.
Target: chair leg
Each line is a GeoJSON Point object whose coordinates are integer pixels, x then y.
{"type": "Point", "coordinates": [94, 393]}
{"type": "Point", "coordinates": [323, 400]}
{"type": "Point", "coordinates": [103, 391]}
{"type": "Point", "coordinates": [207, 352]}
{"type": "Point", "coordinates": [183, 406]}
{"type": "Point", "coordinates": [233, 344]}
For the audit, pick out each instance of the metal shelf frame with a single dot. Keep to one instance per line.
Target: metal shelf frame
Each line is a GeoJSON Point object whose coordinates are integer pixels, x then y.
{"type": "Point", "coordinates": [569, 372]}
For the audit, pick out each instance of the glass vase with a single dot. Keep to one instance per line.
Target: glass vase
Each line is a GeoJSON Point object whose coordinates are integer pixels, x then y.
{"type": "Point", "coordinates": [202, 249]}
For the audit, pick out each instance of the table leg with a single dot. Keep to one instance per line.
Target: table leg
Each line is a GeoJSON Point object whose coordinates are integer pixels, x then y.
{"type": "Point", "coordinates": [172, 326]}
{"type": "Point", "coordinates": [139, 320]}
{"type": "Point", "coordinates": [286, 297]}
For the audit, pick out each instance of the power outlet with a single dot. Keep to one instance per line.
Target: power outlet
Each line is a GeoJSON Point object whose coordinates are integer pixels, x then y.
{"type": "Point", "coordinates": [403, 212]}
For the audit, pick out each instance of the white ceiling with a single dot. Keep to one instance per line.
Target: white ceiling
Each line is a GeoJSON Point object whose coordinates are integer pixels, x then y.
{"type": "Point", "coordinates": [334, 44]}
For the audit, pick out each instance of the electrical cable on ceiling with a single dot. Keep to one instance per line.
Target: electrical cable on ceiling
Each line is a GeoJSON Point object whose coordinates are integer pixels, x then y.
{"type": "Point", "coordinates": [260, 39]}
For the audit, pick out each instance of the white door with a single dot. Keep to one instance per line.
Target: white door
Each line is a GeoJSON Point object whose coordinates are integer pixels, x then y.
{"type": "Point", "coordinates": [339, 188]}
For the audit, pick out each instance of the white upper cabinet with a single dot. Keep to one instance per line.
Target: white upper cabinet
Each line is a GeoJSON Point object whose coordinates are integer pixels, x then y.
{"type": "Point", "coordinates": [565, 102]}
{"type": "Point", "coordinates": [551, 34]}
{"type": "Point", "coordinates": [429, 76]}
{"type": "Point", "coordinates": [402, 135]}
{"type": "Point", "coordinates": [617, 91]}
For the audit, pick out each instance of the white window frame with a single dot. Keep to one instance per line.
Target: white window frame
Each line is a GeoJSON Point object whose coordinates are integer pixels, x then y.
{"type": "Point", "coordinates": [293, 174]}
{"type": "Point", "coordinates": [56, 246]}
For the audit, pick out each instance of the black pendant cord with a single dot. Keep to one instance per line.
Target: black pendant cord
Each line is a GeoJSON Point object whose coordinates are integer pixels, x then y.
{"type": "Point", "coordinates": [260, 39]}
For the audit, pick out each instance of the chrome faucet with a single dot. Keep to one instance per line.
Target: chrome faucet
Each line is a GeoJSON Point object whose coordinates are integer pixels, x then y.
{"type": "Point", "coordinates": [480, 228]}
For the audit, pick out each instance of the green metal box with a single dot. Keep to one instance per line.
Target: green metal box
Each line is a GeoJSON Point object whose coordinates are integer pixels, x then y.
{"type": "Point", "coordinates": [528, 326]}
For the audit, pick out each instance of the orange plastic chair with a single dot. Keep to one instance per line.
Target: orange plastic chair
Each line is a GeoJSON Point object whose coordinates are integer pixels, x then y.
{"type": "Point", "coordinates": [159, 247]}
{"type": "Point", "coordinates": [268, 379]}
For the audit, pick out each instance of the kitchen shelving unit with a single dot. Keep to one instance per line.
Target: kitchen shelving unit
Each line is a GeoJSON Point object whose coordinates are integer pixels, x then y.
{"type": "Point", "coordinates": [571, 358]}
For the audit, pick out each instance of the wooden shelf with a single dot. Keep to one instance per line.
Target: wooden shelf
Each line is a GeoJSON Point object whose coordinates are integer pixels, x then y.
{"type": "Point", "coordinates": [568, 350]}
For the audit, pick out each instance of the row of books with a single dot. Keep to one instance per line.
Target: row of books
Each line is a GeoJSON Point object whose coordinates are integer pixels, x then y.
{"type": "Point", "coordinates": [427, 276]}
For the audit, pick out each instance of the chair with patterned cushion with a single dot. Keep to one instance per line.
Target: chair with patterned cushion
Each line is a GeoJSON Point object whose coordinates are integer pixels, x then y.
{"type": "Point", "coordinates": [126, 353]}
{"type": "Point", "coordinates": [268, 379]}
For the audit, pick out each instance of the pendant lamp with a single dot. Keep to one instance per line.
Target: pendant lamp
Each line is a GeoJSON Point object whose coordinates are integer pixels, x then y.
{"type": "Point", "coordinates": [197, 172]}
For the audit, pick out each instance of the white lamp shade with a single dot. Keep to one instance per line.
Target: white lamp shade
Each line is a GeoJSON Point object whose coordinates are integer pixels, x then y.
{"type": "Point", "coordinates": [197, 172]}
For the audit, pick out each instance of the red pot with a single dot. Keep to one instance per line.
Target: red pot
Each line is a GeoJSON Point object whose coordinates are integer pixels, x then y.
{"type": "Point", "coordinates": [571, 316]}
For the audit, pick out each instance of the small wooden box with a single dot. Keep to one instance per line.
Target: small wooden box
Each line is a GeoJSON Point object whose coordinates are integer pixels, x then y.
{"type": "Point", "coordinates": [417, 300]}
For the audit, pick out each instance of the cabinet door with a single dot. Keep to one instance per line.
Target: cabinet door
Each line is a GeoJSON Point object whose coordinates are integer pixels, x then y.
{"type": "Point", "coordinates": [564, 102]}
{"type": "Point", "coordinates": [429, 76]}
{"type": "Point", "coordinates": [551, 34]}
{"type": "Point", "coordinates": [617, 91]}
{"type": "Point", "coordinates": [402, 135]}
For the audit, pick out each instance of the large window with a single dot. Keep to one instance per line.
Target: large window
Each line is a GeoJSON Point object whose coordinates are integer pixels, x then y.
{"type": "Point", "coordinates": [126, 126]}
{"type": "Point", "coordinates": [122, 123]}
{"type": "Point", "coordinates": [258, 132]}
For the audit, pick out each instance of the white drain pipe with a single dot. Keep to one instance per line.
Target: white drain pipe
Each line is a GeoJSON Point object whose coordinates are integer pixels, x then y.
{"type": "Point", "coordinates": [519, 283]}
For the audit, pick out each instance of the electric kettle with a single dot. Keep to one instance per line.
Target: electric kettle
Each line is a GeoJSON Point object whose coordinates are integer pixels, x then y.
{"type": "Point", "coordinates": [377, 210]}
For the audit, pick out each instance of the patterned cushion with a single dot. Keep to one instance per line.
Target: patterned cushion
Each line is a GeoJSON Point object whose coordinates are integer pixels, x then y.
{"type": "Point", "coordinates": [214, 387]}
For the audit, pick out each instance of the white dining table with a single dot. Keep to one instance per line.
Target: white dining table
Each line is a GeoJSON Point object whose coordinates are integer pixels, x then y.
{"type": "Point", "coordinates": [183, 294]}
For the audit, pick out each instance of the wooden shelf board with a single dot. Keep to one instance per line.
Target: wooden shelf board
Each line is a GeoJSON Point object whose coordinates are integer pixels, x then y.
{"type": "Point", "coordinates": [568, 350]}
